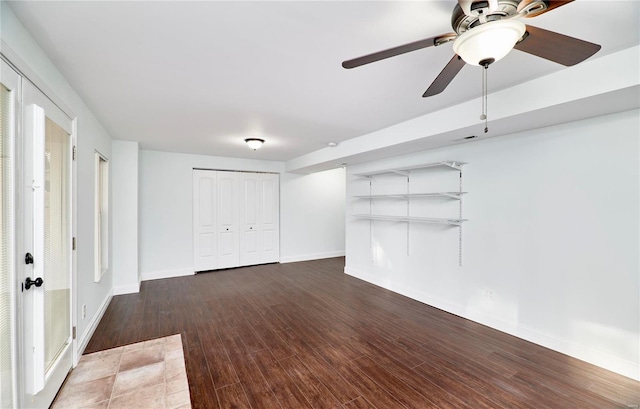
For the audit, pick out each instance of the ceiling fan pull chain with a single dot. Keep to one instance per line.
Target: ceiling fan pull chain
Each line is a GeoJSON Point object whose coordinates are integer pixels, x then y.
{"type": "Point", "coordinates": [485, 103]}
{"type": "Point", "coordinates": [486, 97]}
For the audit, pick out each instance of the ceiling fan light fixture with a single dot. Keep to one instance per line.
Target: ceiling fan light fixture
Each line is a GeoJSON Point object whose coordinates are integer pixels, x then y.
{"type": "Point", "coordinates": [488, 42]}
{"type": "Point", "coordinates": [254, 143]}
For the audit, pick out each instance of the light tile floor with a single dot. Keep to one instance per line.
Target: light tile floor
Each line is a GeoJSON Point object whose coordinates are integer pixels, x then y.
{"type": "Point", "coordinates": [148, 374]}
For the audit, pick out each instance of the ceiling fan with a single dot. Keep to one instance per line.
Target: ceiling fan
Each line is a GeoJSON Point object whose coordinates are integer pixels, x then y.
{"type": "Point", "coordinates": [486, 31]}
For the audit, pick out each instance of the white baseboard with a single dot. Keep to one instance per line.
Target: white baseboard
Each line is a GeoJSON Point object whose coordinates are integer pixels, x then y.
{"type": "Point", "coordinates": [314, 256]}
{"type": "Point", "coordinates": [585, 353]}
{"type": "Point", "coordinates": [126, 289]}
{"type": "Point", "coordinates": [88, 333]}
{"type": "Point", "coordinates": [158, 275]}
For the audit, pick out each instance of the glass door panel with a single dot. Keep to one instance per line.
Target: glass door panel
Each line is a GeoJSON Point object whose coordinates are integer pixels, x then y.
{"type": "Point", "coordinates": [56, 242]}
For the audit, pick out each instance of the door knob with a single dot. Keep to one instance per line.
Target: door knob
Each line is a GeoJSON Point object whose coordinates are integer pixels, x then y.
{"type": "Point", "coordinates": [29, 282]}
{"type": "Point", "coordinates": [28, 258]}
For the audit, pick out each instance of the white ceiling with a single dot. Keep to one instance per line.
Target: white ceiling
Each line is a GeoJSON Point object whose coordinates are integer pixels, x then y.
{"type": "Point", "coordinates": [199, 77]}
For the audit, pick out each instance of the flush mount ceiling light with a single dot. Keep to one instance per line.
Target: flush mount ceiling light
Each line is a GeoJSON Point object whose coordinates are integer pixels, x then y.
{"type": "Point", "coordinates": [254, 143]}
{"type": "Point", "coordinates": [488, 42]}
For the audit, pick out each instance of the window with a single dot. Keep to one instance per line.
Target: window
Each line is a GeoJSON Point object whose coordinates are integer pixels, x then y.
{"type": "Point", "coordinates": [101, 242]}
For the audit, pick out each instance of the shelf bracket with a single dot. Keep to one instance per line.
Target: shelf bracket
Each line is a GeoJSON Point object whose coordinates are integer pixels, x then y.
{"type": "Point", "coordinates": [452, 164]}
{"type": "Point", "coordinates": [456, 196]}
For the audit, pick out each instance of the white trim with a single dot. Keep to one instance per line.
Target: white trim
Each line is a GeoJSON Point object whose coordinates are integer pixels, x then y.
{"type": "Point", "coordinates": [27, 73]}
{"type": "Point", "coordinates": [602, 359]}
{"type": "Point", "coordinates": [126, 289]}
{"type": "Point", "coordinates": [91, 328]}
{"type": "Point", "coordinates": [74, 234]}
{"type": "Point", "coordinates": [158, 275]}
{"type": "Point", "coordinates": [313, 256]}
{"type": "Point", "coordinates": [101, 214]}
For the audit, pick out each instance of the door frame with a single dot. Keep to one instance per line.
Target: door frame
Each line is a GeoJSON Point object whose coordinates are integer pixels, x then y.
{"type": "Point", "coordinates": [8, 56]}
{"type": "Point", "coordinates": [12, 80]}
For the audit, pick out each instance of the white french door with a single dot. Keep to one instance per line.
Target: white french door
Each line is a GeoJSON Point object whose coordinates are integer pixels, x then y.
{"type": "Point", "coordinates": [45, 252]}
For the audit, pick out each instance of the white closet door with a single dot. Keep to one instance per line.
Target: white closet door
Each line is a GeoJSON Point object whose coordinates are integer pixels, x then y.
{"type": "Point", "coordinates": [249, 219]}
{"type": "Point", "coordinates": [235, 219]}
{"type": "Point", "coordinates": [228, 221]}
{"type": "Point", "coordinates": [205, 232]}
{"type": "Point", "coordinates": [269, 218]}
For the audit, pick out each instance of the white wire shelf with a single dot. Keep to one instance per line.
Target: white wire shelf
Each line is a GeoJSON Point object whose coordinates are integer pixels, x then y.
{"type": "Point", "coordinates": [452, 195]}
{"type": "Point", "coordinates": [412, 219]}
{"type": "Point", "coordinates": [406, 170]}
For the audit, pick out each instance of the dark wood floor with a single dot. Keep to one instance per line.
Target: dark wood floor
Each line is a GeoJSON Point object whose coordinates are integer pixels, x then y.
{"type": "Point", "coordinates": [305, 335]}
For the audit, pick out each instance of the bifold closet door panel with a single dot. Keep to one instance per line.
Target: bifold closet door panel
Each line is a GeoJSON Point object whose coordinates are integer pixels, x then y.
{"type": "Point", "coordinates": [228, 220]}
{"type": "Point", "coordinates": [269, 218]}
{"type": "Point", "coordinates": [249, 219]}
{"type": "Point", "coordinates": [205, 231]}
{"type": "Point", "coordinates": [235, 219]}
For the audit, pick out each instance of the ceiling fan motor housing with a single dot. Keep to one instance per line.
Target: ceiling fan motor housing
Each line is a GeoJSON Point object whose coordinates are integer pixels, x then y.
{"type": "Point", "coordinates": [477, 7]}
{"type": "Point", "coordinates": [462, 21]}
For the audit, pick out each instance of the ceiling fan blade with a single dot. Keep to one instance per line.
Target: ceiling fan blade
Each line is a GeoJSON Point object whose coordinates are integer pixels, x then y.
{"type": "Point", "coordinates": [445, 77]}
{"type": "Point", "coordinates": [556, 47]}
{"type": "Point", "coordinates": [392, 52]}
{"type": "Point", "coordinates": [535, 10]}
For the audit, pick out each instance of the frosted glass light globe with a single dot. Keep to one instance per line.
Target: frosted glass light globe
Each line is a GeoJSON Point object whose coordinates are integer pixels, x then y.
{"type": "Point", "coordinates": [254, 143]}
{"type": "Point", "coordinates": [488, 42]}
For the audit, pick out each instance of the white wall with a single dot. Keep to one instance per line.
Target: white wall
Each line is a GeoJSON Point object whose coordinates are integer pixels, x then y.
{"type": "Point", "coordinates": [312, 215]}
{"type": "Point", "coordinates": [91, 136]}
{"type": "Point", "coordinates": [124, 211]}
{"type": "Point", "coordinates": [311, 211]}
{"type": "Point", "coordinates": [551, 246]}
